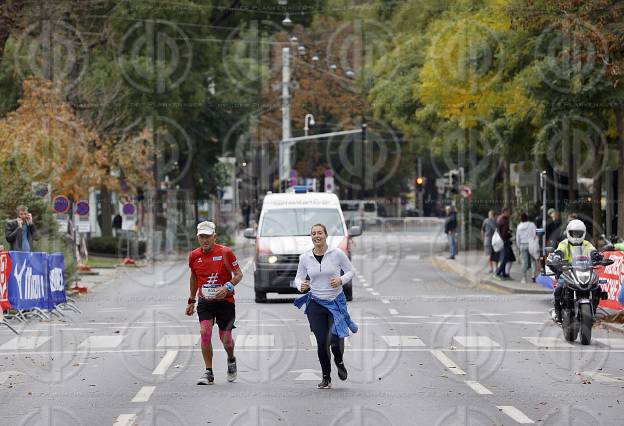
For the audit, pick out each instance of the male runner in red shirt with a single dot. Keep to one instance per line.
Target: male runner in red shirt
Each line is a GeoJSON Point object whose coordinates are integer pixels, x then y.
{"type": "Point", "coordinates": [214, 273]}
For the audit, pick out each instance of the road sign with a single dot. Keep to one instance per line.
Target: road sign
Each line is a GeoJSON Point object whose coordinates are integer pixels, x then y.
{"type": "Point", "coordinates": [82, 208]}
{"type": "Point", "coordinates": [60, 204]}
{"type": "Point", "coordinates": [465, 191]}
{"type": "Point", "coordinates": [128, 209]}
{"type": "Point", "coordinates": [329, 183]}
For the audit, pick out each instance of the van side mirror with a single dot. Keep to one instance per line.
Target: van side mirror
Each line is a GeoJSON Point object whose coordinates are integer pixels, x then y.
{"type": "Point", "coordinates": [249, 233]}
{"type": "Point", "coordinates": [355, 231]}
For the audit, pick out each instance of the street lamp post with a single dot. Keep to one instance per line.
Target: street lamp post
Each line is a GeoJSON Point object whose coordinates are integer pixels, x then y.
{"type": "Point", "coordinates": [308, 118]}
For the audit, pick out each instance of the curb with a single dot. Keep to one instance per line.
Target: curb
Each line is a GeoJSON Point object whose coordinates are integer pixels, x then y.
{"type": "Point", "coordinates": [612, 327]}
{"type": "Point", "coordinates": [457, 268]}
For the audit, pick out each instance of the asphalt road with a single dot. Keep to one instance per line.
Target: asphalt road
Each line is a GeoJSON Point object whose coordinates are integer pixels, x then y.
{"type": "Point", "coordinates": [431, 350]}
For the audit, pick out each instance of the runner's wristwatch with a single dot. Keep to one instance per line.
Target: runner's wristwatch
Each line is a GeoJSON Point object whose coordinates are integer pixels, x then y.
{"type": "Point", "coordinates": [229, 286]}
{"type": "Point", "coordinates": [191, 301]}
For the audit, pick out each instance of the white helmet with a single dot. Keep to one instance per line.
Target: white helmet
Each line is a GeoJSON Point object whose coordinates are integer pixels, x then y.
{"type": "Point", "coordinates": [576, 232]}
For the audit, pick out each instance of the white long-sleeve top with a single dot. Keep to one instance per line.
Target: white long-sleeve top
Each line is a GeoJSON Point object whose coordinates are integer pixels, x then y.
{"type": "Point", "coordinates": [525, 232]}
{"type": "Point", "coordinates": [330, 266]}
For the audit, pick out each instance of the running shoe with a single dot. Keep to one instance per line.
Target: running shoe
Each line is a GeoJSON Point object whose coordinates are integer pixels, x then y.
{"type": "Point", "coordinates": [231, 371]}
{"type": "Point", "coordinates": [206, 379]}
{"type": "Point", "coordinates": [325, 383]}
{"type": "Point", "coordinates": [342, 371]}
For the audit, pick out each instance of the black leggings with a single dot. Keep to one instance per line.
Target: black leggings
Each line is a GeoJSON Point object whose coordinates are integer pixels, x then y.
{"type": "Point", "coordinates": [321, 322]}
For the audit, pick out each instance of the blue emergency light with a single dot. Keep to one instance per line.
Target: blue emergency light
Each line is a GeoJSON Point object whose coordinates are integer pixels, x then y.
{"type": "Point", "coordinates": [300, 189]}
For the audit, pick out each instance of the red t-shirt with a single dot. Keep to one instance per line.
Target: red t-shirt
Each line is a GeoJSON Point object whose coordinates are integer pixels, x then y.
{"type": "Point", "coordinates": [215, 267]}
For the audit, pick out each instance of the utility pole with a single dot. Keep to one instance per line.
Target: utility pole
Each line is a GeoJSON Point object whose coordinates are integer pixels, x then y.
{"type": "Point", "coordinates": [364, 174]}
{"type": "Point", "coordinates": [419, 194]}
{"type": "Point", "coordinates": [284, 146]}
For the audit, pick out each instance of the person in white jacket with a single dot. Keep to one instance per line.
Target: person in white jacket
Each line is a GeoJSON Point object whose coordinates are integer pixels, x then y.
{"type": "Point", "coordinates": [319, 271]}
{"type": "Point", "coordinates": [525, 233]}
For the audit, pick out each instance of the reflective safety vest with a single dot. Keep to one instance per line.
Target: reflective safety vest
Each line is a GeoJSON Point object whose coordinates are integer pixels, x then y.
{"type": "Point", "coordinates": [568, 249]}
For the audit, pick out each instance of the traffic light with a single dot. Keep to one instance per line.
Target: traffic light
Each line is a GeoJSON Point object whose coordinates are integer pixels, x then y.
{"type": "Point", "coordinates": [420, 183]}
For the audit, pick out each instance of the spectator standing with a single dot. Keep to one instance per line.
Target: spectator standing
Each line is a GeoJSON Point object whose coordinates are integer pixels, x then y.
{"type": "Point", "coordinates": [488, 227]}
{"type": "Point", "coordinates": [450, 229]}
{"type": "Point", "coordinates": [525, 234]}
{"type": "Point", "coordinates": [503, 226]}
{"type": "Point", "coordinates": [21, 232]}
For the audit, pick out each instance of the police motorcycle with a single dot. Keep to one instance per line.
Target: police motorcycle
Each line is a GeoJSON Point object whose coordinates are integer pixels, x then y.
{"type": "Point", "coordinates": [581, 293]}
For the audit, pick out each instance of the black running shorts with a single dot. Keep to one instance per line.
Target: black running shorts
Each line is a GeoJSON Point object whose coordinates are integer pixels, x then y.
{"type": "Point", "coordinates": [224, 312]}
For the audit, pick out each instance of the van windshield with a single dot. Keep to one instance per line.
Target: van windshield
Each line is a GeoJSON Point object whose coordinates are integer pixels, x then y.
{"type": "Point", "coordinates": [297, 222]}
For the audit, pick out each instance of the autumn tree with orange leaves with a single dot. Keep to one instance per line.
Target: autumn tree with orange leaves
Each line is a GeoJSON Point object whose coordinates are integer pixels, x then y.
{"type": "Point", "coordinates": [45, 141]}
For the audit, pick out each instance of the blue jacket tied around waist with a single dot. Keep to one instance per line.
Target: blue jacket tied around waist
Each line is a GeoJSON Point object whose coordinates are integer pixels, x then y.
{"type": "Point", "coordinates": [338, 309]}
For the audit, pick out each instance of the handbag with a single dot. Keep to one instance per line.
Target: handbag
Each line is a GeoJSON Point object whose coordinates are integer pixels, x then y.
{"type": "Point", "coordinates": [497, 242]}
{"type": "Point", "coordinates": [534, 247]}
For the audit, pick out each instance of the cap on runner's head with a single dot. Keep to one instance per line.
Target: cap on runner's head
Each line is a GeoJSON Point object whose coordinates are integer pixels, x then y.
{"type": "Point", "coordinates": [206, 228]}
{"type": "Point", "coordinates": [551, 211]}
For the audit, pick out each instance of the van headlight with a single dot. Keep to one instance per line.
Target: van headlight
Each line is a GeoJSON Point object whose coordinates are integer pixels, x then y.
{"type": "Point", "coordinates": [267, 258]}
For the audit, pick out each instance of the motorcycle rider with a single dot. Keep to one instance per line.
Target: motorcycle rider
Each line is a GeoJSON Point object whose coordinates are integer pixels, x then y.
{"type": "Point", "coordinates": [574, 245]}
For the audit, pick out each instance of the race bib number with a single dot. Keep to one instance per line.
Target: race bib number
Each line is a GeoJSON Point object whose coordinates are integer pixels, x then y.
{"type": "Point", "coordinates": [209, 291]}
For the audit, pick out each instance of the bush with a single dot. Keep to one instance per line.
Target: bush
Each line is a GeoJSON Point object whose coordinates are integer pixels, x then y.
{"type": "Point", "coordinates": [115, 246]}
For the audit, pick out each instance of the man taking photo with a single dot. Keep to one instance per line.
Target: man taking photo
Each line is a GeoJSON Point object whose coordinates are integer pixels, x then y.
{"type": "Point", "coordinates": [21, 232]}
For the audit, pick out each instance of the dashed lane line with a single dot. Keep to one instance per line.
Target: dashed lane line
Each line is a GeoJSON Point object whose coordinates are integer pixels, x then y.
{"type": "Point", "coordinates": [478, 387]}
{"type": "Point", "coordinates": [447, 362]}
{"type": "Point", "coordinates": [144, 394]}
{"type": "Point", "coordinates": [517, 415]}
{"type": "Point", "coordinates": [165, 363]}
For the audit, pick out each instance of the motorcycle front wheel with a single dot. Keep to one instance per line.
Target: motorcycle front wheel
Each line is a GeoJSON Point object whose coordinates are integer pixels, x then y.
{"type": "Point", "coordinates": [587, 322]}
{"type": "Point", "coordinates": [569, 325]}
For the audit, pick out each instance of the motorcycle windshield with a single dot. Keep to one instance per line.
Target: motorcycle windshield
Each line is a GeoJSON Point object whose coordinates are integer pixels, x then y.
{"type": "Point", "coordinates": [581, 263]}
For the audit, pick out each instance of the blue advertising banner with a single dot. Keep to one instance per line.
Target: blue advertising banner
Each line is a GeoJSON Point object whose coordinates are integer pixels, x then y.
{"type": "Point", "coordinates": [28, 280]}
{"type": "Point", "coordinates": [56, 266]}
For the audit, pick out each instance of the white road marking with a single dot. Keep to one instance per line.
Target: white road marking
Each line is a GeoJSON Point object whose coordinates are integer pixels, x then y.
{"type": "Point", "coordinates": [386, 301]}
{"type": "Point", "coordinates": [413, 316]}
{"type": "Point", "coordinates": [370, 289]}
{"type": "Point", "coordinates": [476, 342]}
{"type": "Point", "coordinates": [364, 284]}
{"type": "Point", "coordinates": [143, 395]}
{"type": "Point", "coordinates": [548, 342]}
{"type": "Point", "coordinates": [612, 342]}
{"type": "Point", "coordinates": [486, 314]}
{"type": "Point", "coordinates": [602, 377]}
{"type": "Point", "coordinates": [255, 340]}
{"type": "Point", "coordinates": [178, 340]}
{"type": "Point", "coordinates": [101, 342]}
{"type": "Point", "coordinates": [125, 420]}
{"type": "Point", "coordinates": [517, 415]}
{"type": "Point", "coordinates": [21, 343]}
{"type": "Point", "coordinates": [393, 311]}
{"type": "Point", "coordinates": [165, 363]}
{"type": "Point", "coordinates": [524, 322]}
{"type": "Point", "coordinates": [402, 341]}
{"type": "Point", "coordinates": [478, 387]}
{"type": "Point", "coordinates": [374, 293]}
{"type": "Point", "coordinates": [347, 342]}
{"type": "Point", "coordinates": [307, 374]}
{"type": "Point", "coordinates": [447, 362]}
{"type": "Point", "coordinates": [529, 312]}
{"type": "Point", "coordinates": [417, 280]}
{"type": "Point", "coordinates": [441, 322]}
{"type": "Point", "coordinates": [450, 316]}
{"type": "Point", "coordinates": [412, 257]}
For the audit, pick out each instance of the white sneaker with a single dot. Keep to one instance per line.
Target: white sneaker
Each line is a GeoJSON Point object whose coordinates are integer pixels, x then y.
{"type": "Point", "coordinates": [231, 371]}
{"type": "Point", "coordinates": [206, 379]}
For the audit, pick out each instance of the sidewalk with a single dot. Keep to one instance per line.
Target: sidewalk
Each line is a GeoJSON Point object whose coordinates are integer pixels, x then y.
{"type": "Point", "coordinates": [472, 266]}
